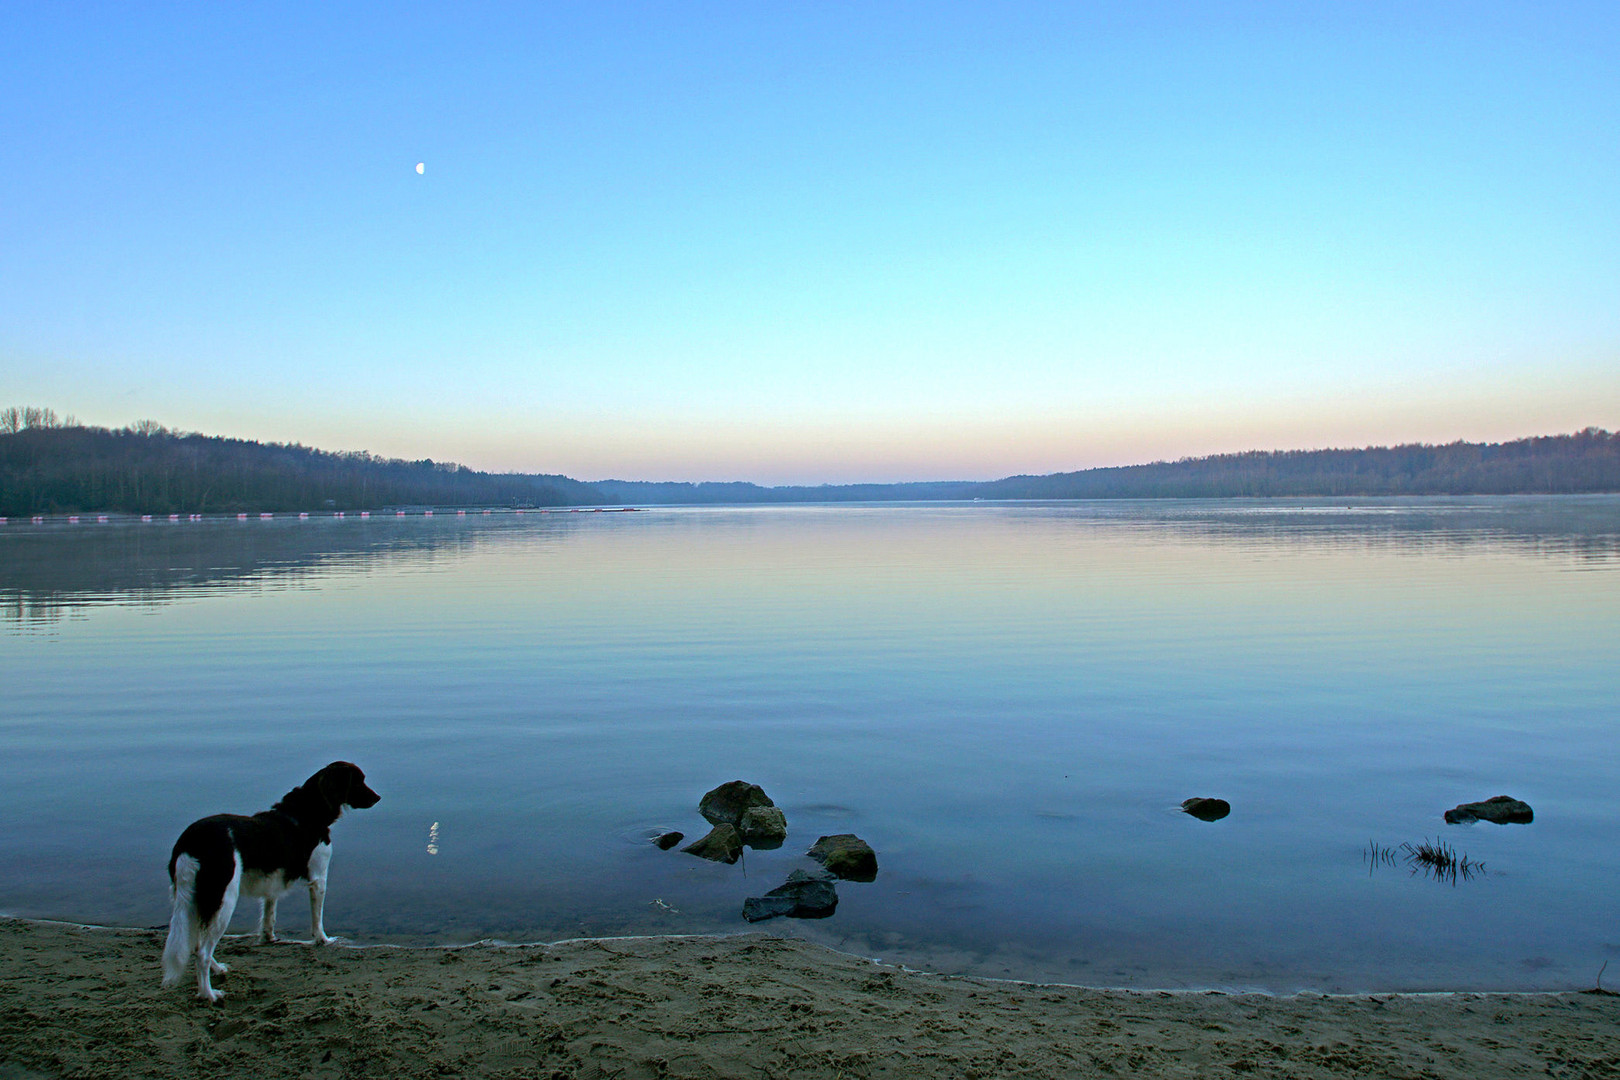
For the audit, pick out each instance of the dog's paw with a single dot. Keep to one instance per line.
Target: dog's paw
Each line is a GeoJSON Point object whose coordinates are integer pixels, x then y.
{"type": "Point", "coordinates": [213, 997]}
{"type": "Point", "coordinates": [323, 940]}
{"type": "Point", "coordinates": [217, 968]}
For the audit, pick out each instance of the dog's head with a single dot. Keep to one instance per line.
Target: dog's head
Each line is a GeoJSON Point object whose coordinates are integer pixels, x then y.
{"type": "Point", "coordinates": [343, 784]}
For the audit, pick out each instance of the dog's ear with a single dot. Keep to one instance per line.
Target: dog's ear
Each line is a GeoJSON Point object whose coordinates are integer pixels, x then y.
{"type": "Point", "coordinates": [334, 784]}
{"type": "Point", "coordinates": [343, 784]}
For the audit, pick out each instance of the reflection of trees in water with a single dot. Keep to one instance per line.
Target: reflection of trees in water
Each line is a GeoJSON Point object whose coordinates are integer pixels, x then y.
{"type": "Point", "coordinates": [46, 610]}
{"type": "Point", "coordinates": [58, 571]}
{"type": "Point", "coordinates": [52, 571]}
{"type": "Point", "coordinates": [32, 611]}
{"type": "Point", "coordinates": [1582, 529]}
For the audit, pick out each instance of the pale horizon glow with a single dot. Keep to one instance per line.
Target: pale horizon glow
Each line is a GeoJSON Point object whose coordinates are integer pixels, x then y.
{"type": "Point", "coordinates": [812, 244]}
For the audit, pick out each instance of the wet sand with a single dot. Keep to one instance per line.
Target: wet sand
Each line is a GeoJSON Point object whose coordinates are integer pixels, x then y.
{"type": "Point", "coordinates": [86, 1002]}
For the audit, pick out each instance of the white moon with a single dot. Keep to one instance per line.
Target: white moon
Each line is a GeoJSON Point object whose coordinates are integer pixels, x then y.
{"type": "Point", "coordinates": [420, 169]}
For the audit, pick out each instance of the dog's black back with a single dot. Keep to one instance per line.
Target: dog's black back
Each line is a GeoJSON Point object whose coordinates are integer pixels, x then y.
{"type": "Point", "coordinates": [275, 841]}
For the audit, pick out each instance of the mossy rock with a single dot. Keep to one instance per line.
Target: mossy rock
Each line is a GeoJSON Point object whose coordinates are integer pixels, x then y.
{"type": "Point", "coordinates": [722, 844]}
{"type": "Point", "coordinates": [726, 804]}
{"type": "Point", "coordinates": [763, 826]}
{"type": "Point", "coordinates": [1501, 810]}
{"type": "Point", "coordinates": [847, 856]}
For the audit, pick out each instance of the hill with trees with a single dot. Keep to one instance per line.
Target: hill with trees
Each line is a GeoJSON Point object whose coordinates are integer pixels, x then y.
{"type": "Point", "coordinates": [60, 466]}
{"type": "Point", "coordinates": [1585, 462]}
{"type": "Point", "coordinates": [47, 466]}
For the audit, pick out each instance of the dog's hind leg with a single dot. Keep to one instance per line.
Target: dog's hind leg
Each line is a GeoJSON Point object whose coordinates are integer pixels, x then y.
{"type": "Point", "coordinates": [209, 934]}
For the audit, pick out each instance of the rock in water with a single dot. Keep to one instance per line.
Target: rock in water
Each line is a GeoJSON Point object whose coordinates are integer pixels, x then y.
{"type": "Point", "coordinates": [1207, 809]}
{"type": "Point", "coordinates": [665, 841]}
{"type": "Point", "coordinates": [763, 826]}
{"type": "Point", "coordinates": [723, 844]}
{"type": "Point", "coordinates": [847, 856]}
{"type": "Point", "coordinates": [1503, 810]}
{"type": "Point", "coordinates": [726, 804]}
{"type": "Point", "coordinates": [804, 896]}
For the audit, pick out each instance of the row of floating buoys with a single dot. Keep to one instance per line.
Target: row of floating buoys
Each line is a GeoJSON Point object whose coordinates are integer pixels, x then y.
{"type": "Point", "coordinates": [303, 515]}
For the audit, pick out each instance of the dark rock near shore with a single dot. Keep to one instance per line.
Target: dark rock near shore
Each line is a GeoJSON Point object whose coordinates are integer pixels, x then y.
{"type": "Point", "coordinates": [847, 856]}
{"type": "Point", "coordinates": [803, 896]}
{"type": "Point", "coordinates": [726, 804]}
{"type": "Point", "coordinates": [722, 844]}
{"type": "Point", "coordinates": [763, 827]}
{"type": "Point", "coordinates": [1502, 810]}
{"type": "Point", "coordinates": [1207, 809]}
{"type": "Point", "coordinates": [665, 841]}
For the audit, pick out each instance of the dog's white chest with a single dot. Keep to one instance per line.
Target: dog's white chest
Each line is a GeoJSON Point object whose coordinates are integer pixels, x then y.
{"type": "Point", "coordinates": [319, 859]}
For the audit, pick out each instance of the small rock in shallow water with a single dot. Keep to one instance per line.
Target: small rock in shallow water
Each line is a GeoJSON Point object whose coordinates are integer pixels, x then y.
{"type": "Point", "coordinates": [763, 827]}
{"type": "Point", "coordinates": [722, 844]}
{"type": "Point", "coordinates": [726, 804]}
{"type": "Point", "coordinates": [1502, 810]}
{"type": "Point", "coordinates": [803, 896]}
{"type": "Point", "coordinates": [665, 841]}
{"type": "Point", "coordinates": [847, 856]}
{"type": "Point", "coordinates": [1207, 809]}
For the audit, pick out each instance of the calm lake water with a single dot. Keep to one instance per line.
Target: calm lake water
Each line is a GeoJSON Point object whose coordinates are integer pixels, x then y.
{"type": "Point", "coordinates": [1008, 701]}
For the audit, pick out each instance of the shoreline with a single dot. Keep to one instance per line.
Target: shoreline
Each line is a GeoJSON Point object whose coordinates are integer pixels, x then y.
{"type": "Point", "coordinates": [79, 1000]}
{"type": "Point", "coordinates": [899, 963]}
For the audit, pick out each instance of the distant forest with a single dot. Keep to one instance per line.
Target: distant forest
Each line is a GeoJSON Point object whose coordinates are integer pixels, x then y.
{"type": "Point", "coordinates": [1586, 462]}
{"type": "Point", "coordinates": [51, 466]}
{"type": "Point", "coordinates": [47, 466]}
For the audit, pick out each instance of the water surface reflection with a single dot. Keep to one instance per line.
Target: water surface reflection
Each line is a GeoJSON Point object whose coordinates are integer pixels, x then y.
{"type": "Point", "coordinates": [1009, 702]}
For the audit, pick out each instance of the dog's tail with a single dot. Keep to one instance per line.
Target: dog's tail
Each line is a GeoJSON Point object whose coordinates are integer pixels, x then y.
{"type": "Point", "coordinates": [184, 925]}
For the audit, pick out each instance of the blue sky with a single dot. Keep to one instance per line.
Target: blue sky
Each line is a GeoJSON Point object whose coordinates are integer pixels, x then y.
{"type": "Point", "coordinates": [813, 242]}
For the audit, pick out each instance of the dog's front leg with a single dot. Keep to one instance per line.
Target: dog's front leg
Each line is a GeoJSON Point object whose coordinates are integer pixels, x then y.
{"type": "Point", "coordinates": [317, 910]}
{"type": "Point", "coordinates": [319, 859]}
{"type": "Point", "coordinates": [267, 921]}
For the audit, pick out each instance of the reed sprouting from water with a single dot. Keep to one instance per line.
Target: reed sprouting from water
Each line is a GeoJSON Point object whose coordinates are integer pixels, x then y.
{"type": "Point", "coordinates": [1378, 855]}
{"type": "Point", "coordinates": [1441, 862]}
{"type": "Point", "coordinates": [1434, 858]}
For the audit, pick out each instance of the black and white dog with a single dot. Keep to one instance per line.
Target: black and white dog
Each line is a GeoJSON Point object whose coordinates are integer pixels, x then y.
{"type": "Point", "coordinates": [226, 856]}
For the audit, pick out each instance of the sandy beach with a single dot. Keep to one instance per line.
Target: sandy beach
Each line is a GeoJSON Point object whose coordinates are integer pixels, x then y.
{"type": "Point", "coordinates": [86, 1002]}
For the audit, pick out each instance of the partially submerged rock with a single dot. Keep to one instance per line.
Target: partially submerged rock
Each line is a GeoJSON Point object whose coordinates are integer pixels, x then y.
{"type": "Point", "coordinates": [763, 826]}
{"type": "Point", "coordinates": [847, 856]}
{"type": "Point", "coordinates": [1206, 809]}
{"type": "Point", "coordinates": [726, 804]}
{"type": "Point", "coordinates": [803, 896]}
{"type": "Point", "coordinates": [665, 841]}
{"type": "Point", "coordinates": [722, 844]}
{"type": "Point", "coordinates": [1503, 810]}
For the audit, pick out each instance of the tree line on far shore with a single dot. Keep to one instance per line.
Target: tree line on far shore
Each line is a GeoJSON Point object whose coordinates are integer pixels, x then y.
{"type": "Point", "coordinates": [49, 466]}
{"type": "Point", "coordinates": [1586, 462]}
{"type": "Point", "coordinates": [1583, 463]}
{"type": "Point", "coordinates": [52, 466]}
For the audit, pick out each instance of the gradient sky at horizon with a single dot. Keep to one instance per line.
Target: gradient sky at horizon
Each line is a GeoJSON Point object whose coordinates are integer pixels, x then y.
{"type": "Point", "coordinates": [813, 242]}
